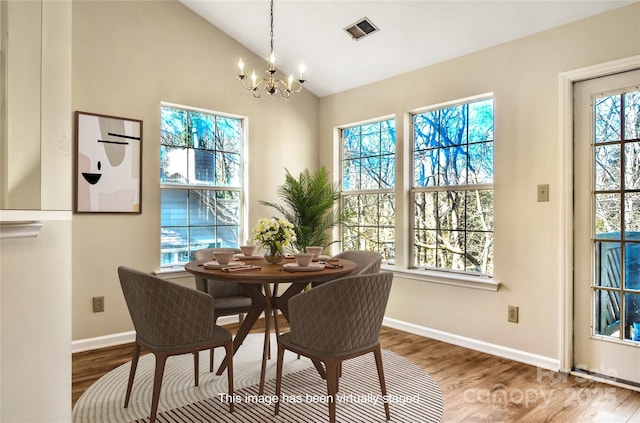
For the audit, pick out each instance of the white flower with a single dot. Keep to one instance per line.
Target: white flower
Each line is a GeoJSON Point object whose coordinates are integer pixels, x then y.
{"type": "Point", "coordinates": [274, 233]}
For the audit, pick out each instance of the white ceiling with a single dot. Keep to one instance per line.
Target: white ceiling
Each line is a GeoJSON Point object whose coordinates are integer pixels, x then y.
{"type": "Point", "coordinates": [413, 34]}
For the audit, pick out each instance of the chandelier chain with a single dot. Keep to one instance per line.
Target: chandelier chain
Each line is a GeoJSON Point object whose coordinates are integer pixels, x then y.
{"type": "Point", "coordinates": [271, 33]}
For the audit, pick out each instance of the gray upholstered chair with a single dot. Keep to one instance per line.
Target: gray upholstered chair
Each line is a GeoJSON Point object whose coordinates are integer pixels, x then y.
{"type": "Point", "coordinates": [366, 261]}
{"type": "Point", "coordinates": [229, 297]}
{"type": "Point", "coordinates": [337, 321]}
{"type": "Point", "coordinates": [169, 320]}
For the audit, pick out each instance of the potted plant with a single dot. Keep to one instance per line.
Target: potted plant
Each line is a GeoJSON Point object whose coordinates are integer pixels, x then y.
{"type": "Point", "coordinates": [309, 203]}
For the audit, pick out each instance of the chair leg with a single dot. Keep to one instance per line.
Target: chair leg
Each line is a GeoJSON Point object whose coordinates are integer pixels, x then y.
{"type": "Point", "coordinates": [383, 384]}
{"type": "Point", "coordinates": [332, 387]}
{"type": "Point", "coordinates": [211, 360]}
{"type": "Point", "coordinates": [229, 349]}
{"type": "Point", "coordinates": [196, 367]}
{"type": "Point", "coordinates": [161, 360]}
{"type": "Point", "coordinates": [279, 376]}
{"type": "Point", "coordinates": [132, 373]}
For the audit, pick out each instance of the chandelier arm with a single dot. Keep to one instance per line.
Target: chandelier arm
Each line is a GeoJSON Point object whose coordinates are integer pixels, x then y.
{"type": "Point", "coordinates": [285, 94]}
{"type": "Point", "coordinates": [242, 79]}
{"type": "Point", "coordinates": [251, 87]}
{"type": "Point", "coordinates": [298, 88]}
{"type": "Point", "coordinates": [283, 88]}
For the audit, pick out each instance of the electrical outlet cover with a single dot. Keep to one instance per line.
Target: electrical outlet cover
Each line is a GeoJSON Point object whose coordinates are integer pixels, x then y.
{"type": "Point", "coordinates": [98, 304]}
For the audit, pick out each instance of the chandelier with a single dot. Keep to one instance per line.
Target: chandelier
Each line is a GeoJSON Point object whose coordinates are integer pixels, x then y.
{"type": "Point", "coordinates": [271, 84]}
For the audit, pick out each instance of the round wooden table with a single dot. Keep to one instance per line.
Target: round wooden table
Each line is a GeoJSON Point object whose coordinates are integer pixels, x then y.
{"type": "Point", "coordinates": [257, 284]}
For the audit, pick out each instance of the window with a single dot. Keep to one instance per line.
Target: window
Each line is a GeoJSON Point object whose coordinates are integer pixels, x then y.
{"type": "Point", "coordinates": [452, 188]}
{"type": "Point", "coordinates": [368, 184]}
{"type": "Point", "coordinates": [616, 215]}
{"type": "Point", "coordinates": [201, 182]}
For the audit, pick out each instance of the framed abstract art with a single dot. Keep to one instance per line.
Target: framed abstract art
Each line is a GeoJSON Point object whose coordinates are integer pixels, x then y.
{"type": "Point", "coordinates": [108, 164]}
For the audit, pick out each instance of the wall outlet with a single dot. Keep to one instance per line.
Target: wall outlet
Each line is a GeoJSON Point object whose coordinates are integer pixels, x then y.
{"type": "Point", "coordinates": [543, 192]}
{"type": "Point", "coordinates": [512, 314]}
{"type": "Point", "coordinates": [98, 304]}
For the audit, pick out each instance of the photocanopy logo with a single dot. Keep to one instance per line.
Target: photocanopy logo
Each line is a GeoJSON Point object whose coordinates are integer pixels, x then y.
{"type": "Point", "coordinates": [501, 397]}
{"type": "Point", "coordinates": [572, 390]}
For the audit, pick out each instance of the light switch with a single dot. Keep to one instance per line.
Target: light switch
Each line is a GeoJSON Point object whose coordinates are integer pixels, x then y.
{"type": "Point", "coordinates": [543, 192]}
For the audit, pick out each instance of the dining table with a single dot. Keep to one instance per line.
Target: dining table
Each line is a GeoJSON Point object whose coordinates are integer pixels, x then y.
{"type": "Point", "coordinates": [256, 278]}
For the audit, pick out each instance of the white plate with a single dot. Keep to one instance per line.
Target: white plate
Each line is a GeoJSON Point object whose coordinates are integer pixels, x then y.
{"type": "Point", "coordinates": [322, 258]}
{"type": "Point", "coordinates": [293, 267]}
{"type": "Point", "coordinates": [216, 265]}
{"type": "Point", "coordinates": [241, 256]}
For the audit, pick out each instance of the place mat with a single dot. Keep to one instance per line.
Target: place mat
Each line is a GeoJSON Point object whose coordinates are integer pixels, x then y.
{"type": "Point", "coordinates": [215, 265]}
{"type": "Point", "coordinates": [293, 267]}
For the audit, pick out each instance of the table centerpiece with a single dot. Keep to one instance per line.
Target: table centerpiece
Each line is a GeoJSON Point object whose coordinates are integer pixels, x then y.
{"type": "Point", "coordinates": [274, 235]}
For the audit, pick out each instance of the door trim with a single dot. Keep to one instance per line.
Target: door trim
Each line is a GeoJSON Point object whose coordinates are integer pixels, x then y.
{"type": "Point", "coordinates": [565, 161]}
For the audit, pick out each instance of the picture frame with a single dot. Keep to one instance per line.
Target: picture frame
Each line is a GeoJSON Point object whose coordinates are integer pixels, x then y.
{"type": "Point", "coordinates": [108, 165]}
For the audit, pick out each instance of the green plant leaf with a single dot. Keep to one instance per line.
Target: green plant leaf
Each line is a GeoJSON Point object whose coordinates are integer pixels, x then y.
{"type": "Point", "coordinates": [310, 203]}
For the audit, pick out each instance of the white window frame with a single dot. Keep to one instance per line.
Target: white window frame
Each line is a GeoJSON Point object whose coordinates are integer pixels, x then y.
{"type": "Point", "coordinates": [440, 188]}
{"type": "Point", "coordinates": [177, 270]}
{"type": "Point", "coordinates": [391, 190]}
{"type": "Point", "coordinates": [404, 139]}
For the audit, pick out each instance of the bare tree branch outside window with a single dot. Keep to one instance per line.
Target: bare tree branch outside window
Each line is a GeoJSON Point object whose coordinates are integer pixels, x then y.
{"type": "Point", "coordinates": [616, 208]}
{"type": "Point", "coordinates": [368, 184]}
{"type": "Point", "coordinates": [452, 188]}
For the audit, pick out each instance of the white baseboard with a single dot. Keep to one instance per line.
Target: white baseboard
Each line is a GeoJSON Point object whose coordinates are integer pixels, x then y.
{"type": "Point", "coordinates": [547, 363]}
{"type": "Point", "coordinates": [473, 344]}
{"type": "Point", "coordinates": [123, 338]}
{"type": "Point", "coordinates": [102, 341]}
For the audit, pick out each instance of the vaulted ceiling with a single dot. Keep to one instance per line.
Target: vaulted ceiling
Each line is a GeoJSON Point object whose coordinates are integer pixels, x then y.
{"type": "Point", "coordinates": [412, 34]}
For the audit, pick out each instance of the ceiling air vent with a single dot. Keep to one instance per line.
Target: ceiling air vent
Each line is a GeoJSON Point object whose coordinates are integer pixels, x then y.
{"type": "Point", "coordinates": [361, 29]}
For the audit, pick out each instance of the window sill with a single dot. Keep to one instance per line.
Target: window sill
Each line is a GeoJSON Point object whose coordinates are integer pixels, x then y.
{"type": "Point", "coordinates": [455, 279]}
{"type": "Point", "coordinates": [173, 272]}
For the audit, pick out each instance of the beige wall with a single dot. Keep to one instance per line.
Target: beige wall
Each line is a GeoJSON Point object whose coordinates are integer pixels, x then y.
{"type": "Point", "coordinates": [127, 58]}
{"type": "Point", "coordinates": [524, 77]}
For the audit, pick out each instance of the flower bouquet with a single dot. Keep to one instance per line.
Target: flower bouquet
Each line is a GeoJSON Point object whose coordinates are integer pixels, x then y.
{"type": "Point", "coordinates": [274, 235]}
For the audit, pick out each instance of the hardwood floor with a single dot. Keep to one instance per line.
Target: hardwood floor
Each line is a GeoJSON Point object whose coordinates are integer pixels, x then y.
{"type": "Point", "coordinates": [477, 387]}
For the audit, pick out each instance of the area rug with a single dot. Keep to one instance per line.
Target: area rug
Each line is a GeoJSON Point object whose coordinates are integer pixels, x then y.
{"type": "Point", "coordinates": [413, 395]}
